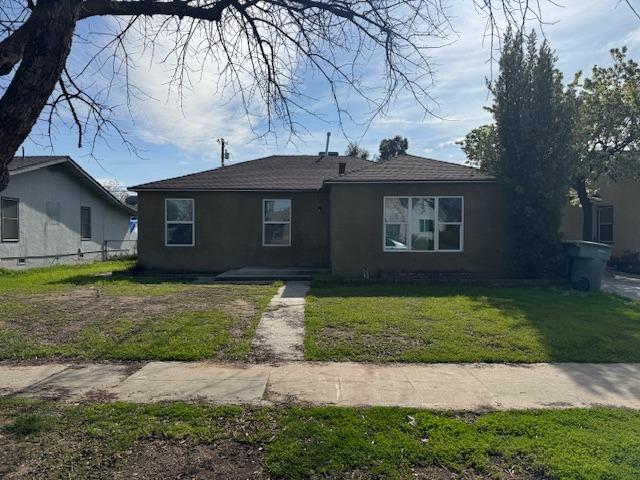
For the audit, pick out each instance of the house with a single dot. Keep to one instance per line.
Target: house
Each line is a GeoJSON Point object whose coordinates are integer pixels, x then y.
{"type": "Point", "coordinates": [54, 212]}
{"type": "Point", "coordinates": [407, 215]}
{"type": "Point", "coordinates": [616, 217]}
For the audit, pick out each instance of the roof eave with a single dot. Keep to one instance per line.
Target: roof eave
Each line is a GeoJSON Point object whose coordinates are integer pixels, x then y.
{"type": "Point", "coordinates": [468, 180]}
{"type": "Point", "coordinates": [38, 166]}
{"type": "Point", "coordinates": [69, 161]}
{"type": "Point", "coordinates": [178, 189]}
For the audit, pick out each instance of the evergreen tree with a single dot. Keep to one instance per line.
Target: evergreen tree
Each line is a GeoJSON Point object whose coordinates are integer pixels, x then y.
{"type": "Point", "coordinates": [531, 136]}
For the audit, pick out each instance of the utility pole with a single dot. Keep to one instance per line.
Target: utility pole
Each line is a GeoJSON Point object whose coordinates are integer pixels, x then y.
{"type": "Point", "coordinates": [222, 150]}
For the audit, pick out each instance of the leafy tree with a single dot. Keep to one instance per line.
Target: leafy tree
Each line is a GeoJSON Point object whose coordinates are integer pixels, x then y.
{"type": "Point", "coordinates": [603, 113]}
{"type": "Point", "coordinates": [392, 147]}
{"type": "Point", "coordinates": [115, 188]}
{"type": "Point", "coordinates": [263, 49]}
{"type": "Point", "coordinates": [355, 150]}
{"type": "Point", "coordinates": [528, 149]}
{"type": "Point", "coordinates": [606, 143]}
{"type": "Point", "coordinates": [482, 148]}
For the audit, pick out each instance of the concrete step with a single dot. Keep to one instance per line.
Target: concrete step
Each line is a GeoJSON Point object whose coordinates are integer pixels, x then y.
{"type": "Point", "coordinates": [263, 273]}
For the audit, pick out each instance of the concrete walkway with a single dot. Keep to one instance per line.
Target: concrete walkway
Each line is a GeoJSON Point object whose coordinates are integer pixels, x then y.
{"type": "Point", "coordinates": [280, 333]}
{"type": "Point", "coordinates": [440, 386]}
{"type": "Point", "coordinates": [622, 284]}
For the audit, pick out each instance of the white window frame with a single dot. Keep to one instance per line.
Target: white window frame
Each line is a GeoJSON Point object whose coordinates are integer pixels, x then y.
{"type": "Point", "coordinates": [599, 223]}
{"type": "Point", "coordinates": [9, 240]}
{"type": "Point", "coordinates": [271, 222]}
{"type": "Point", "coordinates": [192, 222]}
{"type": "Point", "coordinates": [437, 223]}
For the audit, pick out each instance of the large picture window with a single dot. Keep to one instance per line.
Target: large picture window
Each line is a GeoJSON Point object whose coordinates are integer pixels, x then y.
{"type": "Point", "coordinates": [423, 224]}
{"type": "Point", "coordinates": [179, 224]}
{"type": "Point", "coordinates": [10, 222]}
{"type": "Point", "coordinates": [276, 222]}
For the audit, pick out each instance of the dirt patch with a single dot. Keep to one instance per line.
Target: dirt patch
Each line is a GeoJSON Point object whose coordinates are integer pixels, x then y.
{"type": "Point", "coordinates": [53, 393]}
{"type": "Point", "coordinates": [99, 396]}
{"type": "Point", "coordinates": [441, 473]}
{"type": "Point", "coordinates": [61, 318]}
{"type": "Point", "coordinates": [222, 460]}
{"type": "Point", "coordinates": [383, 344]}
{"type": "Point", "coordinates": [243, 313]}
{"type": "Point", "coordinates": [18, 459]}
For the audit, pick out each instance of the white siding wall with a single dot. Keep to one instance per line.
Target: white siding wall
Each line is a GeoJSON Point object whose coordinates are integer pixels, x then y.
{"type": "Point", "coordinates": [40, 236]}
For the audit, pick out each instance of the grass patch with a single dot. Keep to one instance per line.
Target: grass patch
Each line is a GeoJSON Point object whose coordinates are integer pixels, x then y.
{"type": "Point", "coordinates": [421, 323]}
{"type": "Point", "coordinates": [73, 312]}
{"type": "Point", "coordinates": [105, 440]}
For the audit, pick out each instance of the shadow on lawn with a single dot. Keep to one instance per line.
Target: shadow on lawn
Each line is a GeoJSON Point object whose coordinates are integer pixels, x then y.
{"type": "Point", "coordinates": [571, 328]}
{"type": "Point", "coordinates": [82, 280]}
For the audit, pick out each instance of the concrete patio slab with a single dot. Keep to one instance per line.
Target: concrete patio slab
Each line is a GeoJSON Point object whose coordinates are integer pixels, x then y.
{"type": "Point", "coordinates": [271, 273]}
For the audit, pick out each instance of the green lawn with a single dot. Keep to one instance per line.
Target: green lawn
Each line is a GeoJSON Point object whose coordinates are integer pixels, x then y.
{"type": "Point", "coordinates": [49, 440]}
{"type": "Point", "coordinates": [421, 323]}
{"type": "Point", "coordinates": [72, 312]}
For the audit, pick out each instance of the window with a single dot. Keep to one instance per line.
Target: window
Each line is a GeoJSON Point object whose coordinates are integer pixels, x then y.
{"type": "Point", "coordinates": [423, 224]}
{"type": "Point", "coordinates": [10, 219]}
{"type": "Point", "coordinates": [179, 221]}
{"type": "Point", "coordinates": [605, 224]}
{"type": "Point", "coordinates": [276, 223]}
{"type": "Point", "coordinates": [85, 223]}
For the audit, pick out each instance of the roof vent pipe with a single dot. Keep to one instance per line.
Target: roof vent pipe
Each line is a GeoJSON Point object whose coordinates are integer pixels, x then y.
{"type": "Point", "coordinates": [342, 168]}
{"type": "Point", "coordinates": [326, 148]}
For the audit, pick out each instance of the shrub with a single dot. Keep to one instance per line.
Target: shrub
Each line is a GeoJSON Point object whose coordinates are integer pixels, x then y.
{"type": "Point", "coordinates": [628, 262]}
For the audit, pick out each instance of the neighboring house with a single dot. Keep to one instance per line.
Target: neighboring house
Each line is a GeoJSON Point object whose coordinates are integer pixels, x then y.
{"type": "Point", "coordinates": [54, 212]}
{"type": "Point", "coordinates": [616, 217]}
{"type": "Point", "coordinates": [405, 215]}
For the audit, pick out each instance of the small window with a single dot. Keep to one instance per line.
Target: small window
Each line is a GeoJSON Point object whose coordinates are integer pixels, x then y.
{"type": "Point", "coordinates": [10, 219]}
{"type": "Point", "coordinates": [85, 223]}
{"type": "Point", "coordinates": [276, 217]}
{"type": "Point", "coordinates": [179, 217]}
{"type": "Point", "coordinates": [605, 224]}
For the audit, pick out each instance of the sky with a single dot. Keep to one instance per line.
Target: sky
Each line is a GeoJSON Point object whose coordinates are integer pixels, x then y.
{"type": "Point", "coordinates": [175, 138]}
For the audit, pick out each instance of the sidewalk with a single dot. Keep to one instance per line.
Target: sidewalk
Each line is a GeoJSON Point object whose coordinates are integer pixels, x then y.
{"type": "Point", "coordinates": [436, 386]}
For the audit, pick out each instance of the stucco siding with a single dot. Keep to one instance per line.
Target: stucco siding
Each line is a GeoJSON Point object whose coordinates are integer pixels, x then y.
{"type": "Point", "coordinates": [357, 231]}
{"type": "Point", "coordinates": [228, 232]}
{"type": "Point", "coordinates": [624, 197]}
{"type": "Point", "coordinates": [59, 241]}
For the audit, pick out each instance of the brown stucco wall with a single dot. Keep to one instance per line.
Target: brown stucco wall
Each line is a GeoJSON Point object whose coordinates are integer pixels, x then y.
{"type": "Point", "coordinates": [624, 196]}
{"type": "Point", "coordinates": [357, 231]}
{"type": "Point", "coordinates": [228, 232]}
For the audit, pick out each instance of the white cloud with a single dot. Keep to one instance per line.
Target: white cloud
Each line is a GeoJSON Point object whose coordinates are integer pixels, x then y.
{"type": "Point", "coordinates": [581, 33]}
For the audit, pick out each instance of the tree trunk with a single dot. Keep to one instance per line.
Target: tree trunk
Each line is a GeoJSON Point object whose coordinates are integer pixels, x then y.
{"type": "Point", "coordinates": [44, 57]}
{"type": "Point", "coordinates": [587, 210]}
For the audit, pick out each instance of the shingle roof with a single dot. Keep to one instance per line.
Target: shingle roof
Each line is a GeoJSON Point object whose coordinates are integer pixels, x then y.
{"type": "Point", "coordinates": [409, 168]}
{"type": "Point", "coordinates": [277, 172]}
{"type": "Point", "coordinates": [20, 163]}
